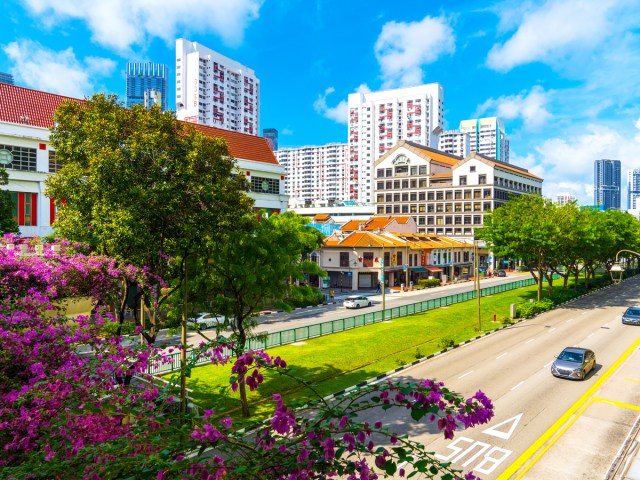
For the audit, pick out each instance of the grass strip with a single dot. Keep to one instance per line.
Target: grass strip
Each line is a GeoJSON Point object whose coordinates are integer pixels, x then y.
{"type": "Point", "coordinates": [340, 360]}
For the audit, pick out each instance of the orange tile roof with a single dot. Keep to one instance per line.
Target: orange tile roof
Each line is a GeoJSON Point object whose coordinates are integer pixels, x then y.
{"type": "Point", "coordinates": [321, 216]}
{"type": "Point", "coordinates": [36, 108]}
{"type": "Point", "coordinates": [29, 107]}
{"type": "Point", "coordinates": [442, 175]}
{"type": "Point", "coordinates": [352, 225]}
{"type": "Point", "coordinates": [506, 166]}
{"type": "Point", "coordinates": [437, 155]}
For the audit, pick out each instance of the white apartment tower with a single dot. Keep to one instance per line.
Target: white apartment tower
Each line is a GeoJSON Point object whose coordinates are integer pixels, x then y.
{"type": "Point", "coordinates": [455, 142]}
{"type": "Point", "coordinates": [633, 189]}
{"type": "Point", "coordinates": [565, 198]}
{"type": "Point", "coordinates": [214, 90]}
{"type": "Point", "coordinates": [487, 137]}
{"type": "Point", "coordinates": [379, 120]}
{"type": "Point", "coordinates": [316, 172]}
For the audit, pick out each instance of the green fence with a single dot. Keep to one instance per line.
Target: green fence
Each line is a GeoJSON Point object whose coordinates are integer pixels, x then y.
{"type": "Point", "coordinates": [292, 335]}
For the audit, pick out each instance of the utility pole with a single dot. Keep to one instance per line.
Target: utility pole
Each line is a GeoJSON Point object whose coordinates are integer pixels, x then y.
{"type": "Point", "coordinates": [183, 352]}
{"type": "Point", "coordinates": [476, 264]}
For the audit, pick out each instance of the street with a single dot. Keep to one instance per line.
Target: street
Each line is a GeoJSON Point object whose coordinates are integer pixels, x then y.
{"type": "Point", "coordinates": [545, 427]}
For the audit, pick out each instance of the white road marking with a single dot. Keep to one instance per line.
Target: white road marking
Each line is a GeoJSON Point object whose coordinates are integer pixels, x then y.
{"type": "Point", "coordinates": [529, 341]}
{"type": "Point", "coordinates": [569, 320]}
{"type": "Point", "coordinates": [590, 335]}
{"type": "Point", "coordinates": [468, 373]}
{"type": "Point", "coordinates": [551, 329]}
{"type": "Point", "coordinates": [518, 385]}
{"type": "Point", "coordinates": [548, 364]}
{"type": "Point", "coordinates": [500, 356]}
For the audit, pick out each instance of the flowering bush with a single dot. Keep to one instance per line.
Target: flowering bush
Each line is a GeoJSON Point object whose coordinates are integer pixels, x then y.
{"type": "Point", "coordinates": [76, 404]}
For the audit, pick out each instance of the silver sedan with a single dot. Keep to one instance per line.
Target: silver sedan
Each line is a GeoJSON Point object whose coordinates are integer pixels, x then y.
{"type": "Point", "coordinates": [574, 363]}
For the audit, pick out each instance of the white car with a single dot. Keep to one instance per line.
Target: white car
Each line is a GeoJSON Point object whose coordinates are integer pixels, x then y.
{"type": "Point", "coordinates": [206, 320]}
{"type": "Point", "coordinates": [356, 301]}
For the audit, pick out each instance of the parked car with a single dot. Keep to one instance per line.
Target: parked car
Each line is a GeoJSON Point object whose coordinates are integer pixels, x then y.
{"type": "Point", "coordinates": [205, 320]}
{"type": "Point", "coordinates": [574, 363]}
{"type": "Point", "coordinates": [502, 273]}
{"type": "Point", "coordinates": [356, 301]}
{"type": "Point", "coordinates": [631, 316]}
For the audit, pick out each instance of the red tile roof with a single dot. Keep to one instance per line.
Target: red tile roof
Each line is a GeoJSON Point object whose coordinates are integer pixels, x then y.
{"type": "Point", "coordinates": [242, 145]}
{"type": "Point", "coordinates": [34, 107]}
{"type": "Point", "coordinates": [29, 107]}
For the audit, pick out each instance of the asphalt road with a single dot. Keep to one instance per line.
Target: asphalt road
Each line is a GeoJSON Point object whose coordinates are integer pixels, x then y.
{"type": "Point", "coordinates": [545, 427]}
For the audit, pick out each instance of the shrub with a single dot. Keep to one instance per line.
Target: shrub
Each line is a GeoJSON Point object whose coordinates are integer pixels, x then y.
{"type": "Point", "coordinates": [446, 342]}
{"type": "Point", "coordinates": [302, 296]}
{"type": "Point", "coordinates": [428, 282]}
{"type": "Point", "coordinates": [529, 309]}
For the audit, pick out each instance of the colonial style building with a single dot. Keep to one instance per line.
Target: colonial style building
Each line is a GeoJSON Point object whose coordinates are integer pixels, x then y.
{"type": "Point", "coordinates": [446, 195]}
{"type": "Point", "coordinates": [26, 117]}
{"type": "Point", "coordinates": [354, 255]}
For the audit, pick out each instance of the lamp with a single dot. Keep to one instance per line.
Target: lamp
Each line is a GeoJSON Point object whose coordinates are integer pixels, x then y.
{"type": "Point", "coordinates": [616, 271]}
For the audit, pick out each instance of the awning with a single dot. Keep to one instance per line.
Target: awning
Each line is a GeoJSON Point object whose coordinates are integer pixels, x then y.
{"type": "Point", "coordinates": [434, 269]}
{"type": "Point", "coordinates": [419, 269]}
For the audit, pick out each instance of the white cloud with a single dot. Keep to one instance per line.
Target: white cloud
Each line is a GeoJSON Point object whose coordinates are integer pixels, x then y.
{"type": "Point", "coordinates": [557, 29]}
{"type": "Point", "coordinates": [57, 72]}
{"type": "Point", "coordinates": [339, 113]}
{"type": "Point", "coordinates": [286, 131]}
{"type": "Point", "coordinates": [566, 163]}
{"type": "Point", "coordinates": [402, 49]}
{"type": "Point", "coordinates": [120, 24]}
{"type": "Point", "coordinates": [529, 107]}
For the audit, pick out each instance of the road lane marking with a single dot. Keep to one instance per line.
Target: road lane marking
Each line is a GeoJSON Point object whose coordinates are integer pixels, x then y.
{"type": "Point", "coordinates": [632, 379]}
{"type": "Point", "coordinates": [548, 364]}
{"type": "Point", "coordinates": [500, 356]}
{"type": "Point", "coordinates": [468, 373]}
{"type": "Point", "coordinates": [590, 335]}
{"type": "Point", "coordinates": [616, 403]}
{"type": "Point", "coordinates": [529, 341]}
{"type": "Point", "coordinates": [569, 320]}
{"type": "Point", "coordinates": [579, 405]}
{"type": "Point", "coordinates": [551, 329]}
{"type": "Point", "coordinates": [517, 385]}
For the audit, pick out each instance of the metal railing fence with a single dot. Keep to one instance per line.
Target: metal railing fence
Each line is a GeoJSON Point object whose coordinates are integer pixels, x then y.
{"type": "Point", "coordinates": [293, 335]}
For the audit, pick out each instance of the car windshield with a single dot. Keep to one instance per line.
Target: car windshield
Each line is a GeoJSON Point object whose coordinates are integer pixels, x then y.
{"type": "Point", "coordinates": [633, 311]}
{"type": "Point", "coordinates": [575, 357]}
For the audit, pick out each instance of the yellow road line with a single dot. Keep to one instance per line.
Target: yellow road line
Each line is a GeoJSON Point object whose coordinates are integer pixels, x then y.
{"type": "Point", "coordinates": [632, 379]}
{"type": "Point", "coordinates": [551, 431]}
{"type": "Point", "coordinates": [617, 404]}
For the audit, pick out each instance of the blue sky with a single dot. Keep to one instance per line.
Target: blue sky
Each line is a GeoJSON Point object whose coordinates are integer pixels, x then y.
{"type": "Point", "coordinates": [564, 75]}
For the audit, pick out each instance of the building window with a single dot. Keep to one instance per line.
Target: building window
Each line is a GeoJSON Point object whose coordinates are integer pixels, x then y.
{"type": "Point", "coordinates": [22, 158]}
{"type": "Point", "coordinates": [472, 168]}
{"type": "Point", "coordinates": [265, 185]}
{"type": "Point", "coordinates": [367, 259]}
{"type": "Point", "coordinates": [405, 184]}
{"type": "Point", "coordinates": [380, 172]}
{"type": "Point", "coordinates": [482, 179]}
{"type": "Point", "coordinates": [344, 259]}
{"type": "Point", "coordinates": [422, 170]}
{"type": "Point", "coordinates": [380, 185]}
{"type": "Point", "coordinates": [421, 196]}
{"type": "Point", "coordinates": [24, 208]}
{"type": "Point", "coordinates": [463, 179]}
{"type": "Point", "coordinates": [54, 165]}
{"type": "Point", "coordinates": [430, 196]}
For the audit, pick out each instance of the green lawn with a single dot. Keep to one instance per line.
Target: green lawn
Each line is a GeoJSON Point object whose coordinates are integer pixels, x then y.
{"type": "Point", "coordinates": [340, 360]}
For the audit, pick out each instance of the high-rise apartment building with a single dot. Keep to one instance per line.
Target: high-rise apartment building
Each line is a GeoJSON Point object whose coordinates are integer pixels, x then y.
{"type": "Point", "coordinates": [606, 179]}
{"type": "Point", "coordinates": [147, 84]}
{"type": "Point", "coordinates": [6, 78]}
{"type": "Point", "coordinates": [455, 142]}
{"type": "Point", "coordinates": [633, 189]}
{"type": "Point", "coordinates": [379, 120]}
{"type": "Point", "coordinates": [214, 90]}
{"type": "Point", "coordinates": [487, 137]}
{"type": "Point", "coordinates": [564, 198]}
{"type": "Point", "coordinates": [316, 172]}
{"type": "Point", "coordinates": [271, 134]}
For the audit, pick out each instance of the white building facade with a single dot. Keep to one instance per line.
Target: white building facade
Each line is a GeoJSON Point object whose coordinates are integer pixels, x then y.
{"type": "Point", "coordinates": [214, 90]}
{"type": "Point", "coordinates": [455, 142]}
{"type": "Point", "coordinates": [316, 172]}
{"type": "Point", "coordinates": [564, 198]}
{"type": "Point", "coordinates": [487, 137]}
{"type": "Point", "coordinates": [633, 189]}
{"type": "Point", "coordinates": [379, 120]}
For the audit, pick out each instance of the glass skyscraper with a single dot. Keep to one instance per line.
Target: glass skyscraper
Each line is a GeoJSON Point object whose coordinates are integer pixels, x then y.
{"type": "Point", "coordinates": [147, 84]}
{"type": "Point", "coordinates": [606, 179]}
{"type": "Point", "coordinates": [272, 135]}
{"type": "Point", "coordinates": [6, 78]}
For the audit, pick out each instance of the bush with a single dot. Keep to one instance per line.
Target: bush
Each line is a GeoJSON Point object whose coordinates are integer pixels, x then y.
{"type": "Point", "coordinates": [529, 309]}
{"type": "Point", "coordinates": [446, 342]}
{"type": "Point", "coordinates": [428, 282]}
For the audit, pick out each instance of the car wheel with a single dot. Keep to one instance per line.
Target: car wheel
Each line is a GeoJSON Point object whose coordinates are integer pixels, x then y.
{"type": "Point", "coordinates": [369, 304]}
{"type": "Point", "coordinates": [357, 305]}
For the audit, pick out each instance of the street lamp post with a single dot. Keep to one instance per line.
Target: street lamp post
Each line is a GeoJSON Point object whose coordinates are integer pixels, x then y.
{"type": "Point", "coordinates": [476, 277]}
{"type": "Point", "coordinates": [617, 269]}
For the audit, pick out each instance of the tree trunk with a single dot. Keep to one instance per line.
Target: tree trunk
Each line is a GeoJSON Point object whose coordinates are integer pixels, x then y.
{"type": "Point", "coordinates": [243, 400]}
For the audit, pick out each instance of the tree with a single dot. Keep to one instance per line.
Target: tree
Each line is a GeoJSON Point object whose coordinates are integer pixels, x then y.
{"type": "Point", "coordinates": [253, 264]}
{"type": "Point", "coordinates": [525, 227]}
{"type": "Point", "coordinates": [64, 413]}
{"type": "Point", "coordinates": [8, 224]}
{"type": "Point", "coordinates": [142, 187]}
